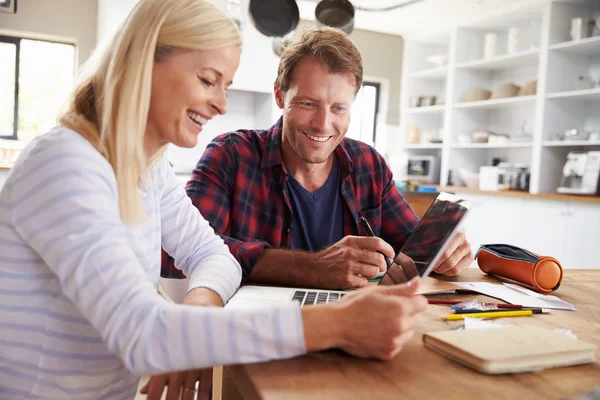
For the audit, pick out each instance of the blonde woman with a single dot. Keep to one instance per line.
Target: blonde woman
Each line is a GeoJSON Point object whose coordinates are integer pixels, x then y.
{"type": "Point", "coordinates": [87, 207]}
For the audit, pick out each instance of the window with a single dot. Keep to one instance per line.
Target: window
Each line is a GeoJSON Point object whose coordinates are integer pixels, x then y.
{"type": "Point", "coordinates": [36, 77]}
{"type": "Point", "coordinates": [363, 125]}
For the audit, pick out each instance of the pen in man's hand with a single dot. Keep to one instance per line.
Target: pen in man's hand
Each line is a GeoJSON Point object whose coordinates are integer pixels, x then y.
{"type": "Point", "coordinates": [365, 224]}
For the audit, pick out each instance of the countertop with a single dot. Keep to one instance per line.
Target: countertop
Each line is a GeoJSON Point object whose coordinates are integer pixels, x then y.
{"type": "Point", "coordinates": [517, 193]}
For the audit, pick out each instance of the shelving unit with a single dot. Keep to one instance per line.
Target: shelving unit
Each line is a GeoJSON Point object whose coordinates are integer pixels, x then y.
{"type": "Point", "coordinates": [546, 56]}
{"type": "Point", "coordinates": [519, 60]}
{"type": "Point", "coordinates": [585, 94]}
{"type": "Point", "coordinates": [492, 146]}
{"type": "Point", "coordinates": [431, 73]}
{"type": "Point", "coordinates": [588, 46]}
{"type": "Point", "coordinates": [496, 103]}
{"type": "Point", "coordinates": [571, 143]}
{"type": "Point", "coordinates": [429, 109]}
{"type": "Point", "coordinates": [424, 146]}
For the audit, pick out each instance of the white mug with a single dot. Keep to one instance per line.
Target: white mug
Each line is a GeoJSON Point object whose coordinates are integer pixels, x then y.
{"type": "Point", "coordinates": [512, 44]}
{"type": "Point", "coordinates": [489, 46]}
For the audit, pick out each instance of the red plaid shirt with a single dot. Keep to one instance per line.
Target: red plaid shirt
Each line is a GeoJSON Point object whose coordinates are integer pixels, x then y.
{"type": "Point", "coordinates": [239, 187]}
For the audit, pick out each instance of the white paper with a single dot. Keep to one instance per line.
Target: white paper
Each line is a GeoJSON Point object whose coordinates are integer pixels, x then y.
{"type": "Point", "coordinates": [480, 323]}
{"type": "Point", "coordinates": [520, 295]}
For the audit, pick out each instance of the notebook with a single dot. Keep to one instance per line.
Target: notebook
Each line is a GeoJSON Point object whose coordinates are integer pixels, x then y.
{"type": "Point", "coordinates": [512, 349]}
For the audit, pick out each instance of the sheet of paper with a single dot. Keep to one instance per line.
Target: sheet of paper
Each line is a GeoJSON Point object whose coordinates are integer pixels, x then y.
{"type": "Point", "coordinates": [480, 323]}
{"type": "Point", "coordinates": [513, 296]}
{"type": "Point", "coordinates": [431, 285]}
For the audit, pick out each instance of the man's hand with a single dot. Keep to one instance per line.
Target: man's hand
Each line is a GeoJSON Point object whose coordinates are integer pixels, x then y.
{"type": "Point", "coordinates": [180, 384]}
{"type": "Point", "coordinates": [457, 257]}
{"type": "Point", "coordinates": [350, 262]}
{"type": "Point", "coordinates": [183, 383]}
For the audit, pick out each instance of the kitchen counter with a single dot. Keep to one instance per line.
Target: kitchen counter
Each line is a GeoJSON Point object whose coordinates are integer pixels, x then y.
{"type": "Point", "coordinates": [517, 193]}
{"type": "Point", "coordinates": [419, 201]}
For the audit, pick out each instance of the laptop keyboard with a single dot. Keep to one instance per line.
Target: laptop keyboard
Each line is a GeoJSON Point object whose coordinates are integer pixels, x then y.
{"type": "Point", "coordinates": [309, 297]}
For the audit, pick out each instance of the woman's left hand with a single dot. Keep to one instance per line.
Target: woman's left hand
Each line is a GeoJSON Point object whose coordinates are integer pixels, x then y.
{"type": "Point", "coordinates": [184, 385]}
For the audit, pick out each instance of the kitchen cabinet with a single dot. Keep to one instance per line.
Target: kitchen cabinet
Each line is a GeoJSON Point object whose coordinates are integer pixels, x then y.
{"type": "Point", "coordinates": [542, 228]}
{"type": "Point", "coordinates": [492, 220]}
{"type": "Point", "coordinates": [581, 236]}
{"type": "Point", "coordinates": [566, 230]}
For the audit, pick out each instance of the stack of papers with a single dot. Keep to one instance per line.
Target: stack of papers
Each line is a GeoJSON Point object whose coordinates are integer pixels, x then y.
{"type": "Point", "coordinates": [515, 294]}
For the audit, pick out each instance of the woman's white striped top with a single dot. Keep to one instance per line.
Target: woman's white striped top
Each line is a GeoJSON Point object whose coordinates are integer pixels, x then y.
{"type": "Point", "coordinates": [80, 316]}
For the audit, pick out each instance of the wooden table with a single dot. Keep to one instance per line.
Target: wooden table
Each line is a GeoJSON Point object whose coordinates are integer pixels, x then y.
{"type": "Point", "coordinates": [420, 373]}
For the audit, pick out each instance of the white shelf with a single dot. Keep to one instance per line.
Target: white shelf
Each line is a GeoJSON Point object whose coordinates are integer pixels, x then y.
{"type": "Point", "coordinates": [422, 146]}
{"type": "Point", "coordinates": [571, 143]}
{"type": "Point", "coordinates": [432, 73]}
{"type": "Point", "coordinates": [586, 94]}
{"type": "Point", "coordinates": [427, 110]}
{"type": "Point", "coordinates": [523, 59]}
{"type": "Point", "coordinates": [588, 46]}
{"type": "Point", "coordinates": [496, 103]}
{"type": "Point", "coordinates": [492, 146]}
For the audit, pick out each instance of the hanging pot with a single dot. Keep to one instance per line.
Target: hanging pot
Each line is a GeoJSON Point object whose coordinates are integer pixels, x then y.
{"type": "Point", "coordinates": [336, 13]}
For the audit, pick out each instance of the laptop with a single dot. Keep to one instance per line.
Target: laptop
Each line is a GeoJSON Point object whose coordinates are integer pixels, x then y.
{"type": "Point", "coordinates": [419, 254]}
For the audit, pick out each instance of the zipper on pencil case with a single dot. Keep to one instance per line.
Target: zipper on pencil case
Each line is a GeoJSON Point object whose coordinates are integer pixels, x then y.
{"type": "Point", "coordinates": [533, 258]}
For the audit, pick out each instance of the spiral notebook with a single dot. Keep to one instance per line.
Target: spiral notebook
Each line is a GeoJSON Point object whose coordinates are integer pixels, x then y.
{"type": "Point", "coordinates": [512, 349]}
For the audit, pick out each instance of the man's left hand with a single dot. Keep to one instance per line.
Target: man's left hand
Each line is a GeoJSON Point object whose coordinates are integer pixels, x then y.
{"type": "Point", "coordinates": [457, 257]}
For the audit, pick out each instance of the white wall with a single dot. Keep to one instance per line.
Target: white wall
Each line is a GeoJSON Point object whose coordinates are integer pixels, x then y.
{"type": "Point", "coordinates": [70, 19]}
{"type": "Point", "coordinates": [258, 65]}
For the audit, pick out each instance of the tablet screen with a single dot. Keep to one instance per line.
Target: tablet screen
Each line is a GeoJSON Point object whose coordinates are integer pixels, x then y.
{"type": "Point", "coordinates": [426, 243]}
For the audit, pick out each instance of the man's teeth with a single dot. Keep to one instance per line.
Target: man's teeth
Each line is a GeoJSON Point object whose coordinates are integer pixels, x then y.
{"type": "Point", "coordinates": [197, 118]}
{"type": "Point", "coordinates": [319, 139]}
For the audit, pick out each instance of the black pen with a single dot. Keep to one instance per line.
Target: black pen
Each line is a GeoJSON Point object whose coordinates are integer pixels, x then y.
{"type": "Point", "coordinates": [365, 224]}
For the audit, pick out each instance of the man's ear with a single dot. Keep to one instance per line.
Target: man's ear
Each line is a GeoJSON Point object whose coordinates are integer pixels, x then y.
{"type": "Point", "coordinates": [279, 95]}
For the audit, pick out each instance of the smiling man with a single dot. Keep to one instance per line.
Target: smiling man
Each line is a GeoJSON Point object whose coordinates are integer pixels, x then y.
{"type": "Point", "coordinates": [287, 200]}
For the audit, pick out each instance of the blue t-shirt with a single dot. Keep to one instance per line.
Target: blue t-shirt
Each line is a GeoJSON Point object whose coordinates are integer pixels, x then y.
{"type": "Point", "coordinates": [317, 219]}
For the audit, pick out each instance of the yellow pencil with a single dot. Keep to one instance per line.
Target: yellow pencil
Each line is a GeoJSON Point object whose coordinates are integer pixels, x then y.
{"type": "Point", "coordinates": [498, 314]}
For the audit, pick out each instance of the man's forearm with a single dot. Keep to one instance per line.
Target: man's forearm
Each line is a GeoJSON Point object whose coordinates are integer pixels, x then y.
{"type": "Point", "coordinates": [285, 267]}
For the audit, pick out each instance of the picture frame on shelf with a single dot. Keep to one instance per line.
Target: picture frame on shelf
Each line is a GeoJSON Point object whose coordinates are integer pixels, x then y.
{"type": "Point", "coordinates": [8, 6]}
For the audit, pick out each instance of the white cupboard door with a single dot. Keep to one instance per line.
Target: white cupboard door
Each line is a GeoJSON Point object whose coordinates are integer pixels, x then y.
{"type": "Point", "coordinates": [492, 219]}
{"type": "Point", "coordinates": [582, 236]}
{"type": "Point", "coordinates": [543, 227]}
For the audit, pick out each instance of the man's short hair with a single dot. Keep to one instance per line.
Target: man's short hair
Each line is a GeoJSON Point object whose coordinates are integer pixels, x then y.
{"type": "Point", "coordinates": [330, 46]}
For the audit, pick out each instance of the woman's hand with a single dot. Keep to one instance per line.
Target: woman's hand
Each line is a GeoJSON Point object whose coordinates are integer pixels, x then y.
{"type": "Point", "coordinates": [371, 323]}
{"type": "Point", "coordinates": [190, 385]}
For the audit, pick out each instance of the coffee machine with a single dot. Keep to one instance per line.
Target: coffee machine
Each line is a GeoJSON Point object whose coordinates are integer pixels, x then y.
{"type": "Point", "coordinates": [581, 173]}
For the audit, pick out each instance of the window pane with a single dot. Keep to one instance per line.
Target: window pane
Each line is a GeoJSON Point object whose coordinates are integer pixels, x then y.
{"type": "Point", "coordinates": [46, 73]}
{"type": "Point", "coordinates": [368, 115]}
{"type": "Point", "coordinates": [356, 117]}
{"type": "Point", "coordinates": [8, 55]}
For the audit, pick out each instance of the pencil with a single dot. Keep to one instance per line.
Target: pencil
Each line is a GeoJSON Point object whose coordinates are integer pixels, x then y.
{"type": "Point", "coordinates": [365, 224]}
{"type": "Point", "coordinates": [436, 301]}
{"type": "Point", "coordinates": [534, 310]}
{"type": "Point", "coordinates": [497, 314]}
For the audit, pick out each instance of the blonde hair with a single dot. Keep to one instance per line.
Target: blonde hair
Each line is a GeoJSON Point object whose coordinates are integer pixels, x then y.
{"type": "Point", "coordinates": [110, 106]}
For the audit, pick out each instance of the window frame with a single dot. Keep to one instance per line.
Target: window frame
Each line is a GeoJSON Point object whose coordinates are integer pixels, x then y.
{"type": "Point", "coordinates": [15, 38]}
{"type": "Point", "coordinates": [377, 87]}
{"type": "Point", "coordinates": [17, 42]}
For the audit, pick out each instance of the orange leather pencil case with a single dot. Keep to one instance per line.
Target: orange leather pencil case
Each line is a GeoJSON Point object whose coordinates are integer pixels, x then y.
{"type": "Point", "coordinates": [540, 273]}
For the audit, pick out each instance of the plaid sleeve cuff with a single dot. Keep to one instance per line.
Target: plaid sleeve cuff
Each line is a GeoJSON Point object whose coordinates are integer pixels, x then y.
{"type": "Point", "coordinates": [247, 254]}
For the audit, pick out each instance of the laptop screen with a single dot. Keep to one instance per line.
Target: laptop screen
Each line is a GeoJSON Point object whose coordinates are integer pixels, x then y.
{"type": "Point", "coordinates": [426, 243]}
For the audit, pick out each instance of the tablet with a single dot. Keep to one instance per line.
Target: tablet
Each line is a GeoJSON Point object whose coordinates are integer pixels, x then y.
{"type": "Point", "coordinates": [426, 244]}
